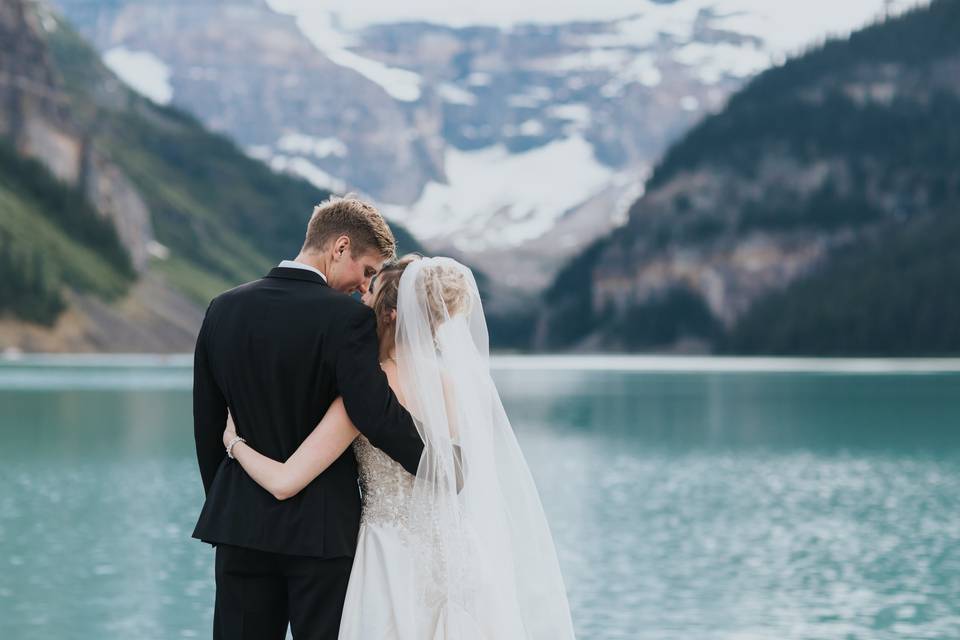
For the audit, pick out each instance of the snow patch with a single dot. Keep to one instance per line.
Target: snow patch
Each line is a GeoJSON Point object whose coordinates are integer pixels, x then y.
{"type": "Point", "coordinates": [260, 152]}
{"type": "Point", "coordinates": [531, 128]}
{"type": "Point", "coordinates": [577, 113]}
{"type": "Point", "coordinates": [495, 197]}
{"type": "Point", "coordinates": [455, 95]}
{"type": "Point", "coordinates": [642, 69]}
{"type": "Point", "coordinates": [714, 61]}
{"type": "Point", "coordinates": [306, 169]}
{"type": "Point", "coordinates": [479, 79]}
{"type": "Point", "coordinates": [319, 26]}
{"type": "Point", "coordinates": [784, 27]}
{"type": "Point", "coordinates": [302, 144]}
{"type": "Point", "coordinates": [689, 103]}
{"type": "Point", "coordinates": [47, 20]}
{"type": "Point", "coordinates": [590, 60]}
{"type": "Point", "coordinates": [401, 84]}
{"type": "Point", "coordinates": [144, 72]}
{"type": "Point", "coordinates": [157, 250]}
{"type": "Point", "coordinates": [793, 23]}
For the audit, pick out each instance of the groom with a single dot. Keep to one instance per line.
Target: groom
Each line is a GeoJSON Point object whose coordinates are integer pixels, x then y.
{"type": "Point", "coordinates": [277, 352]}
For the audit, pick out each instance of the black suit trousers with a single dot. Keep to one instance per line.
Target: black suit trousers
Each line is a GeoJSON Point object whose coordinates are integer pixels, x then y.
{"type": "Point", "coordinates": [259, 591]}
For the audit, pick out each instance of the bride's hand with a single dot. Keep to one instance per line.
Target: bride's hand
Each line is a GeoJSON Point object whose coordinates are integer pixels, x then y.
{"type": "Point", "coordinates": [231, 431]}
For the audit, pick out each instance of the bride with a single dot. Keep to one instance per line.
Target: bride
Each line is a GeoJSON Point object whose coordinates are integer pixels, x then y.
{"type": "Point", "coordinates": [462, 551]}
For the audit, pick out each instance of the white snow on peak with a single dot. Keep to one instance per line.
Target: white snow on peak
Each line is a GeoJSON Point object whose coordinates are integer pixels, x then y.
{"type": "Point", "coordinates": [494, 196]}
{"type": "Point", "coordinates": [260, 152]}
{"type": "Point", "coordinates": [785, 26]}
{"type": "Point", "coordinates": [479, 79]}
{"type": "Point", "coordinates": [713, 61]}
{"type": "Point", "coordinates": [575, 112]}
{"type": "Point", "coordinates": [305, 169]}
{"type": "Point", "coordinates": [455, 95]}
{"type": "Point", "coordinates": [144, 72]}
{"type": "Point", "coordinates": [321, 28]}
{"type": "Point", "coordinates": [401, 84]}
{"type": "Point", "coordinates": [689, 103]}
{"type": "Point", "coordinates": [302, 144]}
{"type": "Point", "coordinates": [641, 68]}
{"type": "Point", "coordinates": [591, 59]}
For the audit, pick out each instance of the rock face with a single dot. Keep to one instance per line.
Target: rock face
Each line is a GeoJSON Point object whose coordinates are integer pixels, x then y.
{"type": "Point", "coordinates": [112, 193]}
{"type": "Point", "coordinates": [32, 104]}
{"type": "Point", "coordinates": [28, 82]}
{"type": "Point", "coordinates": [815, 166]}
{"type": "Point", "coordinates": [34, 116]}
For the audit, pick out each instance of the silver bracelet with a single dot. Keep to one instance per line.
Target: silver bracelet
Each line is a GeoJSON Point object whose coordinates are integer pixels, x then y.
{"type": "Point", "coordinates": [235, 440]}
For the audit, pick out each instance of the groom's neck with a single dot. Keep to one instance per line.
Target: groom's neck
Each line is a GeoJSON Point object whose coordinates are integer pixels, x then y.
{"type": "Point", "coordinates": [319, 262]}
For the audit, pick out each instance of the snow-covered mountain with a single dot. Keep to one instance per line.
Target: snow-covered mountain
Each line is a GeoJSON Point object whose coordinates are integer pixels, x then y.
{"type": "Point", "coordinates": [514, 135]}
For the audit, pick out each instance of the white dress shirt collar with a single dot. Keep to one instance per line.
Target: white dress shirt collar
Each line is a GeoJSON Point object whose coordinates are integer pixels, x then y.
{"type": "Point", "coordinates": [293, 264]}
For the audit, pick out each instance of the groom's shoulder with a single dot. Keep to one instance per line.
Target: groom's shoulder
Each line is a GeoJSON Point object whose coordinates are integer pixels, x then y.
{"type": "Point", "coordinates": [323, 300]}
{"type": "Point", "coordinates": [240, 291]}
{"type": "Point", "coordinates": [345, 311]}
{"type": "Point", "coordinates": [346, 306]}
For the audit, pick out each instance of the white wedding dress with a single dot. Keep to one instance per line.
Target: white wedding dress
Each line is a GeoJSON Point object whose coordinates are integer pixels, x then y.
{"type": "Point", "coordinates": [383, 601]}
{"type": "Point", "coordinates": [379, 598]}
{"type": "Point", "coordinates": [462, 551]}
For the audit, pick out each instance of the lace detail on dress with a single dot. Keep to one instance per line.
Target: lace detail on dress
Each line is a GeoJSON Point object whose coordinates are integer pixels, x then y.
{"type": "Point", "coordinates": [386, 486]}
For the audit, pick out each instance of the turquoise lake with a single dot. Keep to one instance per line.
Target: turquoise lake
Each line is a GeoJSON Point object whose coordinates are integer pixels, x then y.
{"type": "Point", "coordinates": [705, 500]}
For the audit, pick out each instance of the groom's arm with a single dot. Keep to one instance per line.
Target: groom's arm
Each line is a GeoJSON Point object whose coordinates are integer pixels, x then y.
{"type": "Point", "coordinates": [209, 410]}
{"type": "Point", "coordinates": [369, 401]}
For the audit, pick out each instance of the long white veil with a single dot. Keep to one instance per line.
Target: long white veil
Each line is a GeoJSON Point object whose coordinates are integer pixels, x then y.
{"type": "Point", "coordinates": [486, 564]}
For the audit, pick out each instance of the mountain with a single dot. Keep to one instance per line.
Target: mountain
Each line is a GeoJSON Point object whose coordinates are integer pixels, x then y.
{"type": "Point", "coordinates": [511, 145]}
{"type": "Point", "coordinates": [818, 213]}
{"type": "Point", "coordinates": [120, 218]}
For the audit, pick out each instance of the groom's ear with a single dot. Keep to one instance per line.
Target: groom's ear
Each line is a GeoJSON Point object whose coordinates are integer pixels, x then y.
{"type": "Point", "coordinates": [341, 244]}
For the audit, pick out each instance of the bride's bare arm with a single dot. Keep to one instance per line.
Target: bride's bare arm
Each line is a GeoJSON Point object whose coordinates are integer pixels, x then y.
{"type": "Point", "coordinates": [329, 439]}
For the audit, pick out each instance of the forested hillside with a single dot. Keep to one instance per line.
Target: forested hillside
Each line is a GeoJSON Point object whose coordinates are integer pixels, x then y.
{"type": "Point", "coordinates": [816, 214]}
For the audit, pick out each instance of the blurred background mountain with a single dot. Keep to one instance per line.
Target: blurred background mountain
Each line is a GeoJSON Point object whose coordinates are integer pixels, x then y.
{"type": "Point", "coordinates": [651, 179]}
{"type": "Point", "coordinates": [816, 214]}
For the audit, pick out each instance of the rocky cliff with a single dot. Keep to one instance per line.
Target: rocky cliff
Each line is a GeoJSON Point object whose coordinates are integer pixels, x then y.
{"type": "Point", "coordinates": [120, 217]}
{"type": "Point", "coordinates": [35, 118]}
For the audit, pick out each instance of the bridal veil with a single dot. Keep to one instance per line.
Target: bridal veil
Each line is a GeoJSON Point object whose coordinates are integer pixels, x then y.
{"type": "Point", "coordinates": [486, 566]}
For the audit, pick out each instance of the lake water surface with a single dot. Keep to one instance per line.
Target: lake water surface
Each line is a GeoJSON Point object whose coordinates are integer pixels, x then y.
{"type": "Point", "coordinates": [694, 500]}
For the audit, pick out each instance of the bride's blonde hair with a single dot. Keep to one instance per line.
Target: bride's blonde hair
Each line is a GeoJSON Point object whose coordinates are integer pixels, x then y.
{"type": "Point", "coordinates": [446, 288]}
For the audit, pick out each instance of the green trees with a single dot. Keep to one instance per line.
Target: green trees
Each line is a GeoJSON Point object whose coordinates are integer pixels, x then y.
{"type": "Point", "coordinates": [897, 294]}
{"type": "Point", "coordinates": [28, 288]}
{"type": "Point", "coordinates": [51, 237]}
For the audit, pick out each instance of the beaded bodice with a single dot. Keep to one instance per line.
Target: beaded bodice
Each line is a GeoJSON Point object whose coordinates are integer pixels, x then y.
{"type": "Point", "coordinates": [385, 485]}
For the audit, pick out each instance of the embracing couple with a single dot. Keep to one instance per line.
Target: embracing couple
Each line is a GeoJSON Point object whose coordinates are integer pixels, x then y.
{"type": "Point", "coordinates": [362, 478]}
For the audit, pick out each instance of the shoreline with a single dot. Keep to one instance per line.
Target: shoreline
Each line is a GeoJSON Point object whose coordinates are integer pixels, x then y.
{"type": "Point", "coordinates": [543, 362]}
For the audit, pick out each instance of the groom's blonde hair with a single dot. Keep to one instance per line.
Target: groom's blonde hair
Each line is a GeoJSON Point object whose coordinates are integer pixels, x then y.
{"type": "Point", "coordinates": [349, 216]}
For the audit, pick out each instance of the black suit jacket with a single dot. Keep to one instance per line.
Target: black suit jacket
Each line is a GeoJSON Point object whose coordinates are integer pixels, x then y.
{"type": "Point", "coordinates": [278, 351]}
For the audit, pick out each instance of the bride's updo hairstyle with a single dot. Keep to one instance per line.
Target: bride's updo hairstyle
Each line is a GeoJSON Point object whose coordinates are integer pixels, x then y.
{"type": "Point", "coordinates": [446, 292]}
{"type": "Point", "coordinates": [446, 289]}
